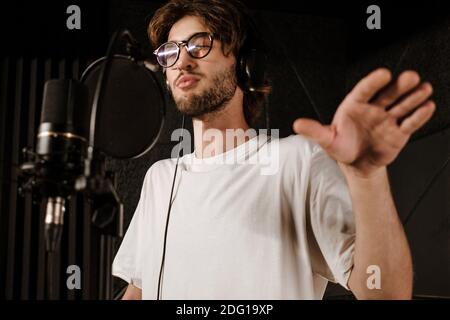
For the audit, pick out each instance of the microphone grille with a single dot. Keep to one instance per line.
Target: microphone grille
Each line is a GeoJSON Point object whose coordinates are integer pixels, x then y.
{"type": "Point", "coordinates": [65, 104]}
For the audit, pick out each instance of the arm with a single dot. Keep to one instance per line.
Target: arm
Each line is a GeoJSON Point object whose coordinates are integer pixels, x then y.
{"type": "Point", "coordinates": [380, 239]}
{"type": "Point", "coordinates": [369, 129]}
{"type": "Point", "coordinates": [132, 293]}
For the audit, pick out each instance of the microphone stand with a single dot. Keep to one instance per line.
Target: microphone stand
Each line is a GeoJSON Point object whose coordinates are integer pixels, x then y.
{"type": "Point", "coordinates": [97, 183]}
{"type": "Point", "coordinates": [107, 220]}
{"type": "Point", "coordinates": [107, 207]}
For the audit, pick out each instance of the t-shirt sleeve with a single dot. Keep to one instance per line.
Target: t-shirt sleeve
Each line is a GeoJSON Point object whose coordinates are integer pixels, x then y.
{"type": "Point", "coordinates": [127, 263]}
{"type": "Point", "coordinates": [330, 219]}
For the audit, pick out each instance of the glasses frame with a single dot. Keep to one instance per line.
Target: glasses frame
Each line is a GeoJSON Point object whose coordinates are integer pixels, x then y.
{"type": "Point", "coordinates": [184, 43]}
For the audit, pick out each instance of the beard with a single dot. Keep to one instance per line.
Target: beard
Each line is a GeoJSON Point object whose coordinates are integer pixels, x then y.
{"type": "Point", "coordinates": [211, 100]}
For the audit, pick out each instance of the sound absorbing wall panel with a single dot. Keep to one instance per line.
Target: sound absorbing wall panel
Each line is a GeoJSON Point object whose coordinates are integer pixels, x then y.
{"type": "Point", "coordinates": [22, 256]}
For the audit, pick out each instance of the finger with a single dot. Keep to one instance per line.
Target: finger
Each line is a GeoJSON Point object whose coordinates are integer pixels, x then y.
{"type": "Point", "coordinates": [418, 118]}
{"type": "Point", "coordinates": [405, 82]}
{"type": "Point", "coordinates": [411, 102]}
{"type": "Point", "coordinates": [315, 131]}
{"type": "Point", "coordinates": [366, 88]}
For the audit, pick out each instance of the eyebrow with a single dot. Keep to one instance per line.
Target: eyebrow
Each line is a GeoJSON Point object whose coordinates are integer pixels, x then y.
{"type": "Point", "coordinates": [188, 36]}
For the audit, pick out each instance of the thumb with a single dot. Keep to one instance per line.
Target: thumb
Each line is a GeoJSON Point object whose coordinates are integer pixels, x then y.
{"type": "Point", "coordinates": [314, 130]}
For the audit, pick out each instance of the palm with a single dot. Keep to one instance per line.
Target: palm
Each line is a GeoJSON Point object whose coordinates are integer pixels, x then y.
{"type": "Point", "coordinates": [365, 132]}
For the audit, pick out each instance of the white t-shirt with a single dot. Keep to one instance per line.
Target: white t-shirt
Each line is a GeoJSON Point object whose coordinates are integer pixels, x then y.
{"type": "Point", "coordinates": [237, 231]}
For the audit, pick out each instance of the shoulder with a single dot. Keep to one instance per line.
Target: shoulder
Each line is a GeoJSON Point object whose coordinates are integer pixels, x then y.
{"type": "Point", "coordinates": [162, 165]}
{"type": "Point", "coordinates": [300, 155]}
{"type": "Point", "coordinates": [298, 146]}
{"type": "Point", "coordinates": [160, 170]}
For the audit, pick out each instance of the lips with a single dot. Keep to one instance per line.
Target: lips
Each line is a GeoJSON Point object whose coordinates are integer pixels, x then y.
{"type": "Point", "coordinates": [186, 82]}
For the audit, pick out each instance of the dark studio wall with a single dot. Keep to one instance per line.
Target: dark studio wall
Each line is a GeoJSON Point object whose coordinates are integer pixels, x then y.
{"type": "Point", "coordinates": [37, 47]}
{"type": "Point", "coordinates": [318, 51]}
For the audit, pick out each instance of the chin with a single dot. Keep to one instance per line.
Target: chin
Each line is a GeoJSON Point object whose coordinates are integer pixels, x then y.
{"type": "Point", "coordinates": [183, 98]}
{"type": "Point", "coordinates": [184, 95]}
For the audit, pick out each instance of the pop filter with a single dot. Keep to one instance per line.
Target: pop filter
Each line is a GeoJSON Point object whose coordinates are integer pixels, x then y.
{"type": "Point", "coordinates": [131, 115]}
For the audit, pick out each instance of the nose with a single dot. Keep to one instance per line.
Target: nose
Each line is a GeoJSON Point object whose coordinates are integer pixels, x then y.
{"type": "Point", "coordinates": [185, 61]}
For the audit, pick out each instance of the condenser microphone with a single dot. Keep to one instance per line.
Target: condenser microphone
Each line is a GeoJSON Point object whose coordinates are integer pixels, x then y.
{"type": "Point", "coordinates": [60, 150]}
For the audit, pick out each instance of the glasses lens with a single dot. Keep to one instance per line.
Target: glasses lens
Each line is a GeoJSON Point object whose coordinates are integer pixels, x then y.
{"type": "Point", "coordinates": [167, 54]}
{"type": "Point", "coordinates": [199, 45]}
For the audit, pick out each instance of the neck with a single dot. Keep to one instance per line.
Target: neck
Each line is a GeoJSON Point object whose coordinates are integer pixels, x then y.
{"type": "Point", "coordinates": [221, 131]}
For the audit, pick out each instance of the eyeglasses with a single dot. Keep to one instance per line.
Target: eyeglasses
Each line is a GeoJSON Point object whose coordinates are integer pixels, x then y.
{"type": "Point", "coordinates": [197, 46]}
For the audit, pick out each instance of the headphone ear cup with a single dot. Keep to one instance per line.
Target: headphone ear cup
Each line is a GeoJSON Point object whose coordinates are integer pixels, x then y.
{"type": "Point", "coordinates": [168, 86]}
{"type": "Point", "coordinates": [240, 71]}
{"type": "Point", "coordinates": [251, 68]}
{"type": "Point", "coordinates": [255, 66]}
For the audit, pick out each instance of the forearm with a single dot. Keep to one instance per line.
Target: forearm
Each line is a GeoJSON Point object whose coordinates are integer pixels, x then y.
{"type": "Point", "coordinates": [380, 239]}
{"type": "Point", "coordinates": [132, 293]}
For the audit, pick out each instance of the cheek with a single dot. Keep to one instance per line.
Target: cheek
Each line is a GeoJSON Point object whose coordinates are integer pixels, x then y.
{"type": "Point", "coordinates": [169, 78]}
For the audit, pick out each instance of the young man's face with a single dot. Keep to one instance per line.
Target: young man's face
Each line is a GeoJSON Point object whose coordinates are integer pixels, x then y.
{"type": "Point", "coordinates": [200, 86]}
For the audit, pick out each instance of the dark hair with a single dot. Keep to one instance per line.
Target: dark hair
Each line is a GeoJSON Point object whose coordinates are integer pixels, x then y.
{"type": "Point", "coordinates": [227, 20]}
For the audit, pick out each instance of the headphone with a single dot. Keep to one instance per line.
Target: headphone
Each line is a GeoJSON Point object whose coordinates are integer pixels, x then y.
{"type": "Point", "coordinates": [252, 58]}
{"type": "Point", "coordinates": [167, 85]}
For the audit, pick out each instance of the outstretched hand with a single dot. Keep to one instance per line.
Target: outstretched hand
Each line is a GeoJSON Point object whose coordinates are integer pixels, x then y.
{"type": "Point", "coordinates": [374, 121]}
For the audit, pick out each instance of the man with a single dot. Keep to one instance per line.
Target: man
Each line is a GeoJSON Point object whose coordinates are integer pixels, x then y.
{"type": "Point", "coordinates": [326, 214]}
